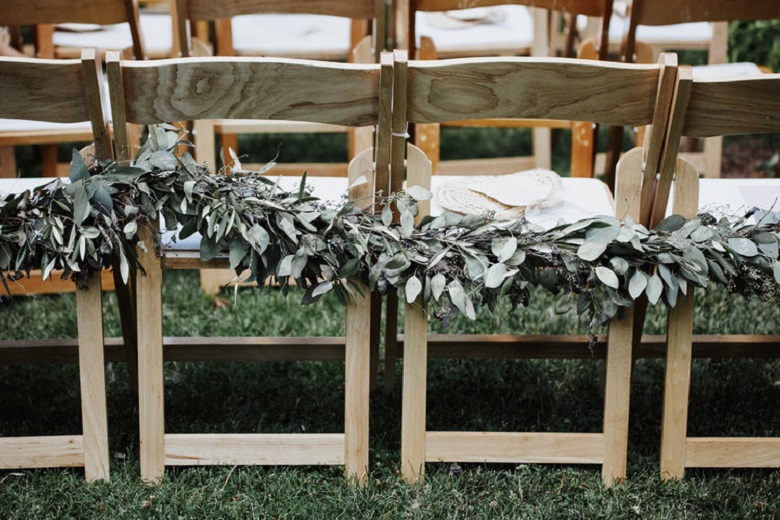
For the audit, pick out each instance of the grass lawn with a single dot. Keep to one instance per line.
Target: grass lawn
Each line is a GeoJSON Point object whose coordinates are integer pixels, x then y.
{"type": "Point", "coordinates": [732, 397]}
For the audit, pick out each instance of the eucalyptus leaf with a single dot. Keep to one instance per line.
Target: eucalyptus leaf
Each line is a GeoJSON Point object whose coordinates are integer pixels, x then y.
{"type": "Point", "coordinates": [637, 284]}
{"type": "Point", "coordinates": [413, 289]}
{"type": "Point", "coordinates": [654, 289]}
{"type": "Point", "coordinates": [607, 277]}
{"type": "Point", "coordinates": [590, 251]}
{"type": "Point", "coordinates": [495, 276]}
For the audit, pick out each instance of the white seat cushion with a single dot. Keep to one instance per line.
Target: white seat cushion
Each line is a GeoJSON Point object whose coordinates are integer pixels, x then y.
{"type": "Point", "coordinates": [17, 185]}
{"type": "Point", "coordinates": [156, 29]}
{"type": "Point", "coordinates": [730, 197]}
{"type": "Point", "coordinates": [292, 35]}
{"type": "Point", "coordinates": [512, 33]}
{"type": "Point", "coordinates": [726, 70]}
{"type": "Point", "coordinates": [582, 198]}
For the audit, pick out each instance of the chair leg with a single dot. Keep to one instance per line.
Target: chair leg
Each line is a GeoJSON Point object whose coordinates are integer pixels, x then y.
{"type": "Point", "coordinates": [125, 296]}
{"type": "Point", "coordinates": [357, 376]}
{"type": "Point", "coordinates": [7, 162]}
{"type": "Point", "coordinates": [93, 380]}
{"type": "Point", "coordinates": [617, 396]}
{"type": "Point", "coordinates": [376, 332]}
{"type": "Point", "coordinates": [151, 409]}
{"type": "Point", "coordinates": [414, 393]}
{"type": "Point", "coordinates": [391, 342]}
{"type": "Point", "coordinates": [674, 428]}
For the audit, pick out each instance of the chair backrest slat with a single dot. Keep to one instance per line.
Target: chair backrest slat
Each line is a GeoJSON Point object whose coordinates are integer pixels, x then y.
{"type": "Point", "coordinates": [585, 7]}
{"type": "Point", "coordinates": [207, 10]}
{"type": "Point", "coordinates": [730, 107]}
{"type": "Point", "coordinates": [250, 88]}
{"type": "Point", "coordinates": [655, 12]}
{"type": "Point", "coordinates": [530, 88]}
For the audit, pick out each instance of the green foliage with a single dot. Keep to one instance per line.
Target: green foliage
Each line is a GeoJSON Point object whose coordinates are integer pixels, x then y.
{"type": "Point", "coordinates": [456, 263]}
{"type": "Point", "coordinates": [757, 42]}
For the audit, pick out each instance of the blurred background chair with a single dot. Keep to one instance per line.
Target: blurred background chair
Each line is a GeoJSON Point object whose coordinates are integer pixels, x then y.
{"type": "Point", "coordinates": [63, 92]}
{"type": "Point", "coordinates": [42, 15]}
{"type": "Point", "coordinates": [649, 20]}
{"type": "Point", "coordinates": [703, 108]}
{"type": "Point", "coordinates": [301, 90]}
{"type": "Point", "coordinates": [562, 90]}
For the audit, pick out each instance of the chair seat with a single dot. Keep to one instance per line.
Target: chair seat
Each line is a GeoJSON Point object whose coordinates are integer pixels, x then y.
{"type": "Point", "coordinates": [18, 185]}
{"type": "Point", "coordinates": [292, 36]}
{"type": "Point", "coordinates": [574, 192]}
{"type": "Point", "coordinates": [726, 70]}
{"type": "Point", "coordinates": [156, 28]}
{"type": "Point", "coordinates": [724, 197]}
{"type": "Point", "coordinates": [511, 33]}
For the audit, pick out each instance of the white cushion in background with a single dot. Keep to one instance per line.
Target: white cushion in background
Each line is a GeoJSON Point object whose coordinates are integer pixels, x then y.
{"type": "Point", "coordinates": [156, 29]}
{"type": "Point", "coordinates": [292, 35]}
{"type": "Point", "coordinates": [512, 35]}
{"type": "Point", "coordinates": [730, 197]}
{"type": "Point", "coordinates": [726, 70]}
{"type": "Point", "coordinates": [21, 125]}
{"type": "Point", "coordinates": [17, 185]}
{"type": "Point", "coordinates": [582, 198]}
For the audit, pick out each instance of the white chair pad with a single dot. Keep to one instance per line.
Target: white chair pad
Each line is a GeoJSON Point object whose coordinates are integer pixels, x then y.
{"type": "Point", "coordinates": [512, 35]}
{"type": "Point", "coordinates": [292, 35]}
{"type": "Point", "coordinates": [730, 197]}
{"type": "Point", "coordinates": [156, 29]}
{"type": "Point", "coordinates": [582, 198]}
{"type": "Point", "coordinates": [726, 70]}
{"type": "Point", "coordinates": [17, 185]}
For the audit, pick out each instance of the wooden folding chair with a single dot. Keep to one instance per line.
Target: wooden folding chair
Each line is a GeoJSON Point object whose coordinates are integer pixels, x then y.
{"type": "Point", "coordinates": [705, 108]}
{"type": "Point", "coordinates": [43, 14]}
{"type": "Point", "coordinates": [65, 91]}
{"type": "Point", "coordinates": [156, 27]}
{"type": "Point", "coordinates": [413, 12]}
{"type": "Point", "coordinates": [653, 14]}
{"type": "Point", "coordinates": [344, 94]}
{"type": "Point", "coordinates": [562, 89]}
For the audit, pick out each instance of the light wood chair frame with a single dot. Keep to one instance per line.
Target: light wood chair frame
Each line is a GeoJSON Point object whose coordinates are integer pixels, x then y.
{"type": "Point", "coordinates": [653, 13]}
{"type": "Point", "coordinates": [354, 95]}
{"type": "Point", "coordinates": [643, 95]}
{"type": "Point", "coordinates": [706, 108]}
{"type": "Point", "coordinates": [44, 14]}
{"type": "Point", "coordinates": [65, 91]}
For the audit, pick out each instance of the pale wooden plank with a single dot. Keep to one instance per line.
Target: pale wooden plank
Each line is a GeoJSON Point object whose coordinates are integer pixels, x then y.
{"type": "Point", "coordinates": [677, 384]}
{"type": "Point", "coordinates": [291, 89]}
{"type": "Point", "coordinates": [211, 10]}
{"type": "Point", "coordinates": [542, 448]}
{"type": "Point", "coordinates": [53, 284]}
{"type": "Point", "coordinates": [357, 372]}
{"type": "Point", "coordinates": [248, 126]}
{"type": "Point", "coordinates": [737, 106]}
{"type": "Point", "coordinates": [92, 376]}
{"type": "Point", "coordinates": [734, 452]}
{"type": "Point", "coordinates": [150, 363]}
{"type": "Point", "coordinates": [413, 404]}
{"type": "Point", "coordinates": [295, 449]}
{"type": "Point", "coordinates": [451, 90]}
{"type": "Point", "coordinates": [505, 346]}
{"type": "Point", "coordinates": [42, 90]}
{"type": "Point", "coordinates": [61, 451]}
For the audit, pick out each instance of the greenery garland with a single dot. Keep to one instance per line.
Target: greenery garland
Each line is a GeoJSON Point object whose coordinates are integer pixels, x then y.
{"type": "Point", "coordinates": [455, 263]}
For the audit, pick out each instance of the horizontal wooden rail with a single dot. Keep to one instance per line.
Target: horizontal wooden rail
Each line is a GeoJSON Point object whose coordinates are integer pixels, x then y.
{"type": "Point", "coordinates": [193, 449]}
{"type": "Point", "coordinates": [541, 448]}
{"type": "Point", "coordinates": [732, 452]}
{"type": "Point", "coordinates": [55, 451]}
{"type": "Point", "coordinates": [452, 346]}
